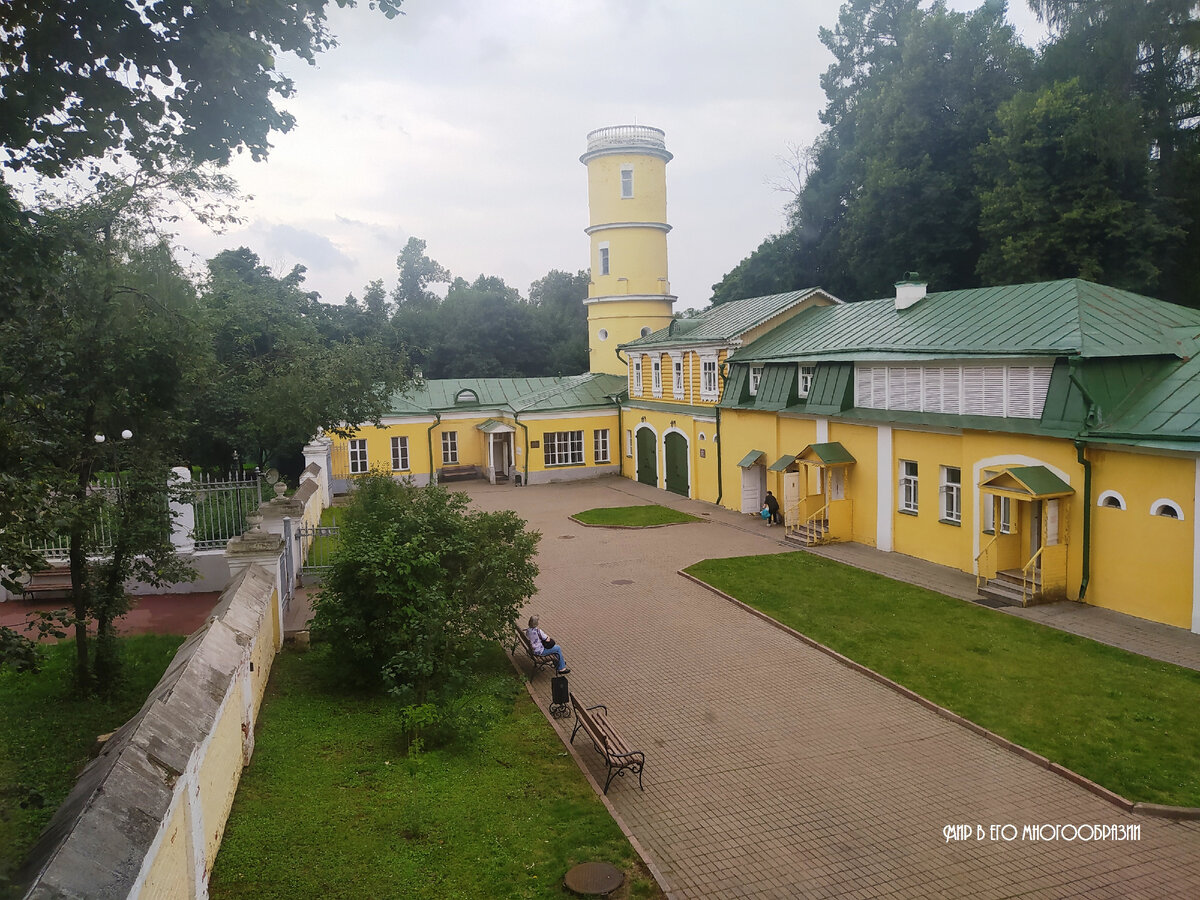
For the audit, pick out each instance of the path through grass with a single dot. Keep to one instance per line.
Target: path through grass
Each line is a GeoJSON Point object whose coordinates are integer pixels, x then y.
{"type": "Point", "coordinates": [331, 807]}
{"type": "Point", "coordinates": [1127, 722]}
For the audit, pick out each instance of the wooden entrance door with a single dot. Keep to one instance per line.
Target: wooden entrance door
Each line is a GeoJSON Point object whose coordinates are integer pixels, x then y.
{"type": "Point", "coordinates": [647, 457]}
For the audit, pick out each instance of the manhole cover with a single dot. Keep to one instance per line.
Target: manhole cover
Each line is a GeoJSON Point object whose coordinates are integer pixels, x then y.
{"type": "Point", "coordinates": [622, 581]}
{"type": "Point", "coordinates": [594, 879]}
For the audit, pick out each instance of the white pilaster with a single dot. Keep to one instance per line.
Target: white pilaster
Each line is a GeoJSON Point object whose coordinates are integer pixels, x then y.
{"type": "Point", "coordinates": [885, 488]}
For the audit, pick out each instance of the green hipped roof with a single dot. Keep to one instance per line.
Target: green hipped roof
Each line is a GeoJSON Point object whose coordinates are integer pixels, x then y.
{"type": "Point", "coordinates": [1054, 318]}
{"type": "Point", "coordinates": [751, 458]}
{"type": "Point", "coordinates": [831, 453]}
{"type": "Point", "coordinates": [1034, 481]}
{"type": "Point", "coordinates": [519, 394]}
{"type": "Point", "coordinates": [724, 322]}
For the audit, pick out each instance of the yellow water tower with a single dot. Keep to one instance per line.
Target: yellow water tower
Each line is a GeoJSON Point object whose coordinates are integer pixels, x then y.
{"type": "Point", "coordinates": [629, 294]}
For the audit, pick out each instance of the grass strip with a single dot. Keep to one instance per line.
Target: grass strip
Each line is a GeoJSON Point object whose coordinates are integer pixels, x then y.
{"type": "Point", "coordinates": [47, 734]}
{"type": "Point", "coordinates": [1126, 722]}
{"type": "Point", "coordinates": [331, 806]}
{"type": "Point", "coordinates": [635, 516]}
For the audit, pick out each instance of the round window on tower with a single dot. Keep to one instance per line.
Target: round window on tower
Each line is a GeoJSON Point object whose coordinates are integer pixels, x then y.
{"type": "Point", "coordinates": [645, 330]}
{"type": "Point", "coordinates": [602, 334]}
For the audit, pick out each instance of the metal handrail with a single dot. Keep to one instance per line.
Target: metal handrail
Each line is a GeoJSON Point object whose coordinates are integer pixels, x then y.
{"type": "Point", "coordinates": [1027, 579]}
{"type": "Point", "coordinates": [980, 578]}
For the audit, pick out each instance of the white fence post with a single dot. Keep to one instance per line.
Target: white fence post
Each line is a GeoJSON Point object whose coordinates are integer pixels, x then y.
{"type": "Point", "coordinates": [183, 513]}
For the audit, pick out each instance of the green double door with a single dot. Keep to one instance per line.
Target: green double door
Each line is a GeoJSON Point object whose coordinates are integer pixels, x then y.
{"type": "Point", "coordinates": [675, 459]}
{"type": "Point", "coordinates": [647, 457]}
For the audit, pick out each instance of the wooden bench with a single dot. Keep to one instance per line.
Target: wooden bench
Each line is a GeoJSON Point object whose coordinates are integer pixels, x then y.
{"type": "Point", "coordinates": [539, 662]}
{"type": "Point", "coordinates": [46, 581]}
{"type": "Point", "coordinates": [459, 473]}
{"type": "Point", "coordinates": [617, 755]}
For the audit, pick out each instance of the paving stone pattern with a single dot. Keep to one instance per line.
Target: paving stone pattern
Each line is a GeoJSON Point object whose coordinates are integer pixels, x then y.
{"type": "Point", "coordinates": [780, 772]}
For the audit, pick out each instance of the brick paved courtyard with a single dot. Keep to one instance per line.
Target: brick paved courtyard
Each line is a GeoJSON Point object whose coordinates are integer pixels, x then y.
{"type": "Point", "coordinates": [773, 770]}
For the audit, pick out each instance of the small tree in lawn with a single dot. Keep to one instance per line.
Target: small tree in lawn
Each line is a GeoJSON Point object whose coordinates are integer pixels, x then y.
{"type": "Point", "coordinates": [419, 583]}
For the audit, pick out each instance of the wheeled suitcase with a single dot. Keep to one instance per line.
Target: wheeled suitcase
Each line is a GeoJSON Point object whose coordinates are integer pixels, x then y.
{"type": "Point", "coordinates": [560, 694]}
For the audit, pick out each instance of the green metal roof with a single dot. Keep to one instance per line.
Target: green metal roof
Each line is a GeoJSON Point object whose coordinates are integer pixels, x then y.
{"type": "Point", "coordinates": [1166, 407]}
{"type": "Point", "coordinates": [832, 453]}
{"type": "Point", "coordinates": [1035, 481]}
{"type": "Point", "coordinates": [520, 394]}
{"type": "Point", "coordinates": [751, 458]}
{"type": "Point", "coordinates": [723, 323]}
{"type": "Point", "coordinates": [1054, 318]}
{"type": "Point", "coordinates": [781, 464]}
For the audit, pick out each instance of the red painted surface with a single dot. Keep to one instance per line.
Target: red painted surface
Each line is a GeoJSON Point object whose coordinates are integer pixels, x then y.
{"type": "Point", "coordinates": [152, 614]}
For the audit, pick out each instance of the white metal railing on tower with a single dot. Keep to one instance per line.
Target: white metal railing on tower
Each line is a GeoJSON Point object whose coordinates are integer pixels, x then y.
{"type": "Point", "coordinates": [626, 136]}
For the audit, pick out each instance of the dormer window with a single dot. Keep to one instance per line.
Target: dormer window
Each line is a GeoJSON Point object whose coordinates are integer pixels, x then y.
{"type": "Point", "coordinates": [807, 374]}
{"type": "Point", "coordinates": [755, 378]}
{"type": "Point", "coordinates": [466, 395]}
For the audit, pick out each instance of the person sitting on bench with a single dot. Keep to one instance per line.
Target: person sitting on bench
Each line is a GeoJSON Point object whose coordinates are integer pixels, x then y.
{"type": "Point", "coordinates": [544, 645]}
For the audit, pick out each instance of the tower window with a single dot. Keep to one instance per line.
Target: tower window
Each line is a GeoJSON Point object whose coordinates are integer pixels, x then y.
{"type": "Point", "coordinates": [626, 182]}
{"type": "Point", "coordinates": [645, 331]}
{"type": "Point", "coordinates": [604, 259]}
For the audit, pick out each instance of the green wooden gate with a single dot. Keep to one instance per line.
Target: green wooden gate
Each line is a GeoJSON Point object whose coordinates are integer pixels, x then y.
{"type": "Point", "coordinates": [647, 457]}
{"type": "Point", "coordinates": [675, 461]}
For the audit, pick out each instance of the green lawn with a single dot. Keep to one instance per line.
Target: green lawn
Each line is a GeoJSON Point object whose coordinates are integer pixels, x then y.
{"type": "Point", "coordinates": [46, 735]}
{"type": "Point", "coordinates": [330, 806]}
{"type": "Point", "coordinates": [1129, 723]}
{"type": "Point", "coordinates": [635, 516]}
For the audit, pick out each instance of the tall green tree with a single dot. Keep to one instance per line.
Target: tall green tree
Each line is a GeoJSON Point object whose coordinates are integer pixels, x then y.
{"type": "Point", "coordinates": [100, 353]}
{"type": "Point", "coordinates": [81, 80]}
{"type": "Point", "coordinates": [1069, 193]}
{"type": "Point", "coordinates": [283, 365]}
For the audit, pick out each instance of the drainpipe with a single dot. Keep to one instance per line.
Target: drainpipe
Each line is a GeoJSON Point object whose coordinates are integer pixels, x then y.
{"type": "Point", "coordinates": [720, 487]}
{"type": "Point", "coordinates": [429, 435]}
{"type": "Point", "coordinates": [1080, 446]}
{"type": "Point", "coordinates": [525, 452]}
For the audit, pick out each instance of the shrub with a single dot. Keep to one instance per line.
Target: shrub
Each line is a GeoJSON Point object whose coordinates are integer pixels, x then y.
{"type": "Point", "coordinates": [416, 582]}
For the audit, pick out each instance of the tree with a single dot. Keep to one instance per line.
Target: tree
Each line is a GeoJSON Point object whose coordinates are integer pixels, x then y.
{"type": "Point", "coordinates": [283, 364]}
{"type": "Point", "coordinates": [559, 312]}
{"type": "Point", "coordinates": [1069, 193]}
{"type": "Point", "coordinates": [418, 580]}
{"type": "Point", "coordinates": [100, 341]}
{"type": "Point", "coordinates": [80, 80]}
{"type": "Point", "coordinates": [416, 272]}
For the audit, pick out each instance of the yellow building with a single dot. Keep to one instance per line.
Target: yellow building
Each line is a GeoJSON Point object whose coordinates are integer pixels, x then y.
{"type": "Point", "coordinates": [1045, 437]}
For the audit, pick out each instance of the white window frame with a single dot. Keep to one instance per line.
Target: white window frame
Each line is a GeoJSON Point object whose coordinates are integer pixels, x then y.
{"type": "Point", "coordinates": [626, 182]}
{"type": "Point", "coordinates": [635, 384]}
{"type": "Point", "coordinates": [600, 445]}
{"type": "Point", "coordinates": [755, 378]}
{"type": "Point", "coordinates": [1159, 507]}
{"type": "Point", "coordinates": [908, 494]}
{"type": "Point", "coordinates": [1117, 501]}
{"type": "Point", "coordinates": [656, 376]}
{"type": "Point", "coordinates": [400, 454]}
{"type": "Point", "coordinates": [359, 463]}
{"type": "Point", "coordinates": [677, 377]}
{"type": "Point", "coordinates": [629, 442]}
{"type": "Point", "coordinates": [804, 385]}
{"type": "Point", "coordinates": [562, 448]}
{"type": "Point", "coordinates": [449, 448]}
{"type": "Point", "coordinates": [605, 263]}
{"type": "Point", "coordinates": [709, 385]}
{"type": "Point", "coordinates": [951, 494]}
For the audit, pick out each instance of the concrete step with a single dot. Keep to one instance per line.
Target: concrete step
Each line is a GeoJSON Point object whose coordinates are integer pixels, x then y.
{"type": "Point", "coordinates": [1001, 592]}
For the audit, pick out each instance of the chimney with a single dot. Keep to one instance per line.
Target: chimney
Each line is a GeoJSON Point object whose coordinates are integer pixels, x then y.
{"type": "Point", "coordinates": [910, 290]}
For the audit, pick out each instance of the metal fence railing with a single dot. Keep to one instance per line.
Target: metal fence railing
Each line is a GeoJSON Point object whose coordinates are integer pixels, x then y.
{"type": "Point", "coordinates": [221, 506]}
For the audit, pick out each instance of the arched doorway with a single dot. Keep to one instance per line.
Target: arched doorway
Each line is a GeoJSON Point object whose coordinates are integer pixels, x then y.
{"type": "Point", "coordinates": [647, 457]}
{"type": "Point", "coordinates": [675, 463]}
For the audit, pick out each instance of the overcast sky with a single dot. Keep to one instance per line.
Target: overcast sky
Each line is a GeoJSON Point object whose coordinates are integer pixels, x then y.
{"type": "Point", "coordinates": [462, 123]}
